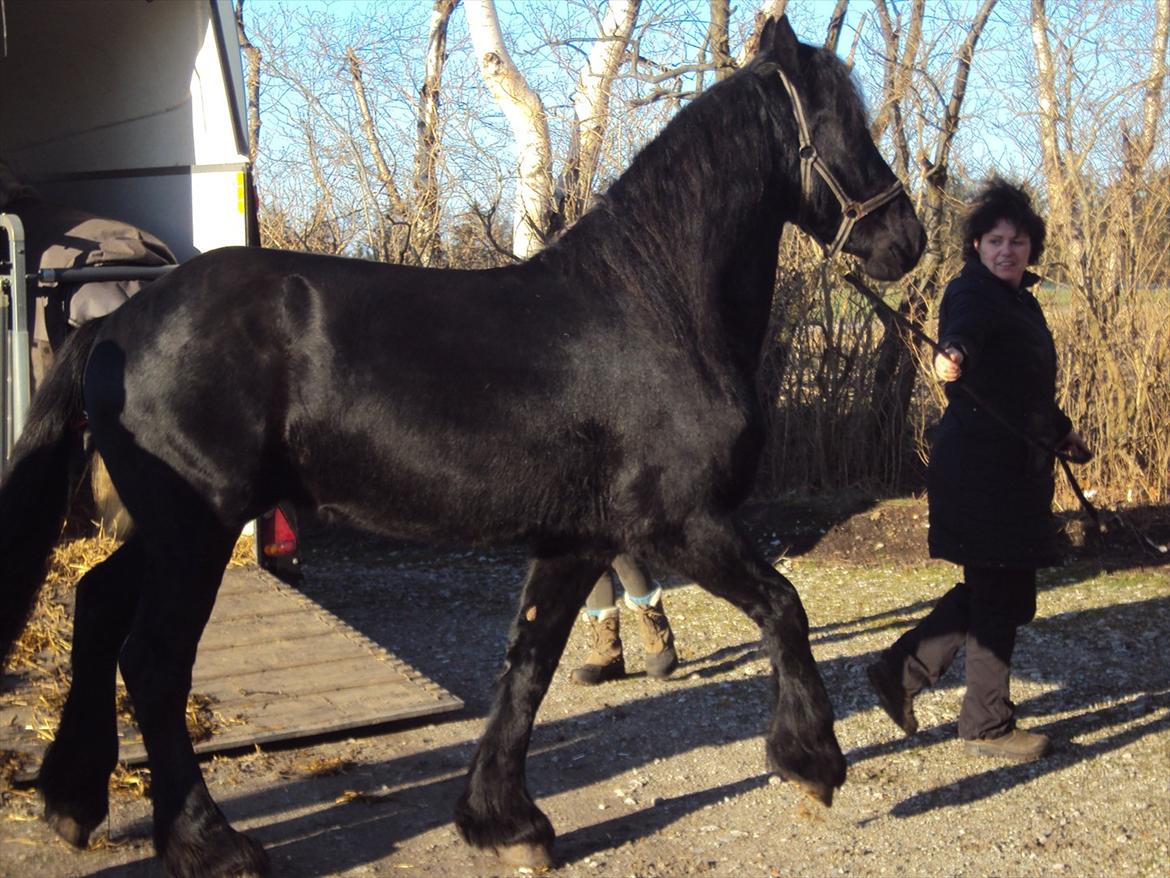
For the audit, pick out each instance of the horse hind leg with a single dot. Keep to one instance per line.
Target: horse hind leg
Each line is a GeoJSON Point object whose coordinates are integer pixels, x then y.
{"type": "Point", "coordinates": [74, 776]}
{"type": "Point", "coordinates": [496, 810]}
{"type": "Point", "coordinates": [801, 744]}
{"type": "Point", "coordinates": [191, 834]}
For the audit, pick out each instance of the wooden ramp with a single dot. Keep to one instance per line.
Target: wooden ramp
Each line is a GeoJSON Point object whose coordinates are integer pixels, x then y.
{"type": "Point", "coordinates": [275, 666]}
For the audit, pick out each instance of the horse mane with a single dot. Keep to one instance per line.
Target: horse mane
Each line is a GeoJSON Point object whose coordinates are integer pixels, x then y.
{"type": "Point", "coordinates": [653, 213]}
{"type": "Point", "coordinates": [664, 220]}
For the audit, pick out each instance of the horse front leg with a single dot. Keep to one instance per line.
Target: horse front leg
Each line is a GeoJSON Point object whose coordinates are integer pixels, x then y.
{"type": "Point", "coordinates": [75, 773]}
{"type": "Point", "coordinates": [495, 810]}
{"type": "Point", "coordinates": [801, 744]}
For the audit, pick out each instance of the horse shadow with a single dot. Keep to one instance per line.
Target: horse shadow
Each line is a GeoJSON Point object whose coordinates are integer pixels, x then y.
{"type": "Point", "coordinates": [1107, 651]}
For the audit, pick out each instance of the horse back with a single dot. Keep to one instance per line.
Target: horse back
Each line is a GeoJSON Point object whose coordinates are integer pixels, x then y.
{"type": "Point", "coordinates": [476, 406]}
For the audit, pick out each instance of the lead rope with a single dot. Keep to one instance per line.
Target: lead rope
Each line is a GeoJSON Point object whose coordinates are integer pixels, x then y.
{"type": "Point", "coordinates": [1145, 542]}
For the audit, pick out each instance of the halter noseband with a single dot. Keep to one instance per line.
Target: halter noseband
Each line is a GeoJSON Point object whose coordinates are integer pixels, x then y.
{"type": "Point", "coordinates": [851, 211]}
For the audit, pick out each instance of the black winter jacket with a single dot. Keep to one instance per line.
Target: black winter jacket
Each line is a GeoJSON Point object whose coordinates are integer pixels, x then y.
{"type": "Point", "coordinates": [990, 491]}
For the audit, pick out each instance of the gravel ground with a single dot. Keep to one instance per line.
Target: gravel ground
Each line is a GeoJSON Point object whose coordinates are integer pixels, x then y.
{"type": "Point", "coordinates": [649, 778]}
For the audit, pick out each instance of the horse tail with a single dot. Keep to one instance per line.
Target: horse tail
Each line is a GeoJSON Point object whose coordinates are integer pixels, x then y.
{"type": "Point", "coordinates": [34, 494]}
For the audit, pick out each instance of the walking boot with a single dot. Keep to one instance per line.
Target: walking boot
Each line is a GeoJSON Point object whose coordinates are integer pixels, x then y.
{"type": "Point", "coordinates": [657, 638]}
{"type": "Point", "coordinates": [892, 696]}
{"type": "Point", "coordinates": [1017, 745]}
{"type": "Point", "coordinates": [605, 660]}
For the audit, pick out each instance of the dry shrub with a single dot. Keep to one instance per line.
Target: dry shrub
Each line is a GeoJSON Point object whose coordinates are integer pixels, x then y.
{"type": "Point", "coordinates": [1108, 312]}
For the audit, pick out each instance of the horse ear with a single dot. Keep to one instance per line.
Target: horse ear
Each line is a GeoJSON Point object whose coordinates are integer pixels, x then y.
{"type": "Point", "coordinates": [766, 30]}
{"type": "Point", "coordinates": [778, 40]}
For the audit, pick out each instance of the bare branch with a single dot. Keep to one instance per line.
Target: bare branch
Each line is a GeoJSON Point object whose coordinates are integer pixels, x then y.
{"type": "Point", "coordinates": [836, 22]}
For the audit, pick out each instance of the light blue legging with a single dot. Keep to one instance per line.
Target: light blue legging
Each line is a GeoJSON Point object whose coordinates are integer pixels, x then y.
{"type": "Point", "coordinates": [634, 580]}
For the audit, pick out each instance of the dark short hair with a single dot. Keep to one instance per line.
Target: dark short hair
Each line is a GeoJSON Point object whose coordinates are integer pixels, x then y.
{"type": "Point", "coordinates": [1000, 200]}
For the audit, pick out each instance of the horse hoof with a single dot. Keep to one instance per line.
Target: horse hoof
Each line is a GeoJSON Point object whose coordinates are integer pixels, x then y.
{"type": "Point", "coordinates": [69, 829]}
{"type": "Point", "coordinates": [822, 793]}
{"type": "Point", "coordinates": [528, 855]}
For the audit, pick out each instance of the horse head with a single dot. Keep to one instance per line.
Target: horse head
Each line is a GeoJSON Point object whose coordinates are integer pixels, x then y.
{"type": "Point", "coordinates": [849, 198]}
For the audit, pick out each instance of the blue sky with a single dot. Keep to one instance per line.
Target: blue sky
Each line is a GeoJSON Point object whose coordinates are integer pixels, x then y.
{"type": "Point", "coordinates": [997, 131]}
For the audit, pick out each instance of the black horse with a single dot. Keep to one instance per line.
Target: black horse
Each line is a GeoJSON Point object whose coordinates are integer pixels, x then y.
{"type": "Point", "coordinates": [596, 399]}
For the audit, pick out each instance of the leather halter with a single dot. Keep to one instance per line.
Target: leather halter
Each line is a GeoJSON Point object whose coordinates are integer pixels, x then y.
{"type": "Point", "coordinates": [851, 211]}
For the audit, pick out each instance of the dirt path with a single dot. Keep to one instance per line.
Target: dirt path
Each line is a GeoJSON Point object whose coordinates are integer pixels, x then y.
{"type": "Point", "coordinates": [650, 778]}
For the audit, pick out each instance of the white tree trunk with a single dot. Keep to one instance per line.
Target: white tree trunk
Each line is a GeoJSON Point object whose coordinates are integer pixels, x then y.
{"type": "Point", "coordinates": [525, 113]}
{"type": "Point", "coordinates": [591, 100]}
{"type": "Point", "coordinates": [768, 9]}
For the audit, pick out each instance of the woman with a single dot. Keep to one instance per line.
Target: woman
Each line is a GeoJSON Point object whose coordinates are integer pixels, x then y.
{"type": "Point", "coordinates": [990, 491]}
{"type": "Point", "coordinates": [606, 660]}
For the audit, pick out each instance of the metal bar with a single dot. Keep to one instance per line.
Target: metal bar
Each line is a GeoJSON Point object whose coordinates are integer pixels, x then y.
{"type": "Point", "coordinates": [100, 273]}
{"type": "Point", "coordinates": [17, 359]}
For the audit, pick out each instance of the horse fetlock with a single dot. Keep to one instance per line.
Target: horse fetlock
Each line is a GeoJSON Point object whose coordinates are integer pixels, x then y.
{"type": "Point", "coordinates": [75, 789]}
{"type": "Point", "coordinates": [200, 843]}
{"type": "Point", "coordinates": [75, 827]}
{"type": "Point", "coordinates": [520, 833]}
{"type": "Point", "coordinates": [215, 851]}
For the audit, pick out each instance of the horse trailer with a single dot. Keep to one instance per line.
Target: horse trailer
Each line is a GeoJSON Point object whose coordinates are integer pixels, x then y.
{"type": "Point", "coordinates": [128, 109]}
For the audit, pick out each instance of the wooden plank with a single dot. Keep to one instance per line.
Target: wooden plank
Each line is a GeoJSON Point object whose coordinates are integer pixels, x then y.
{"type": "Point", "coordinates": [275, 666]}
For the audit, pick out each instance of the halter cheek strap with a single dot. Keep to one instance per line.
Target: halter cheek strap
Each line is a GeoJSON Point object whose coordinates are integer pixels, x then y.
{"type": "Point", "coordinates": [851, 211]}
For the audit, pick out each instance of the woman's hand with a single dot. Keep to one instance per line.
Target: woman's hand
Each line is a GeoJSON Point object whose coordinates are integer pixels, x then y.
{"type": "Point", "coordinates": [948, 364]}
{"type": "Point", "coordinates": [1074, 446]}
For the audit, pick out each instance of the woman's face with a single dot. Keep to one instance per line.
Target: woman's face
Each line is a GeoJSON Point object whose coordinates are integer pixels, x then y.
{"type": "Point", "coordinates": [1005, 250]}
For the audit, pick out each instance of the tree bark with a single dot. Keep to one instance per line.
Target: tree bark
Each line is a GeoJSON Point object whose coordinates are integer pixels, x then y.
{"type": "Point", "coordinates": [896, 370]}
{"type": "Point", "coordinates": [251, 85]}
{"type": "Point", "coordinates": [591, 105]}
{"type": "Point", "coordinates": [526, 116]}
{"type": "Point", "coordinates": [836, 22]}
{"type": "Point", "coordinates": [719, 40]}
{"type": "Point", "coordinates": [426, 187]}
{"type": "Point", "coordinates": [393, 238]}
{"type": "Point", "coordinates": [768, 9]}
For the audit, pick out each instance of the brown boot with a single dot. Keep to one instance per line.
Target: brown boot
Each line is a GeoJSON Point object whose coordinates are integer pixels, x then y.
{"type": "Point", "coordinates": [893, 698]}
{"type": "Point", "coordinates": [1017, 745]}
{"type": "Point", "coordinates": [657, 638]}
{"type": "Point", "coordinates": [605, 660]}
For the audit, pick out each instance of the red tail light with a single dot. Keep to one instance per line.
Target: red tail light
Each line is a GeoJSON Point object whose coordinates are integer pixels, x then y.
{"type": "Point", "coordinates": [277, 537]}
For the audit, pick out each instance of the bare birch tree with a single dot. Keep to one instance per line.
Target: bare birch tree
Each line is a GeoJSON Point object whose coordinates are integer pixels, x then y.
{"type": "Point", "coordinates": [526, 116]}
{"type": "Point", "coordinates": [896, 369]}
{"type": "Point", "coordinates": [426, 185]}
{"type": "Point", "coordinates": [1105, 210]}
{"type": "Point", "coordinates": [591, 100]}
{"type": "Point", "coordinates": [719, 38]}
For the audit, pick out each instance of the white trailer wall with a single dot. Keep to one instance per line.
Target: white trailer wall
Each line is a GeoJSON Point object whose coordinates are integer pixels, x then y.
{"type": "Point", "coordinates": [130, 109]}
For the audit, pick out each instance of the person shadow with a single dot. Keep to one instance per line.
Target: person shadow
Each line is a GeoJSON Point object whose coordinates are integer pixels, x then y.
{"type": "Point", "coordinates": [1105, 694]}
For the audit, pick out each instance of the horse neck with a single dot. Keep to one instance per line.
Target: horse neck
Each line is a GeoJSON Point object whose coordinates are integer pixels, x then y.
{"type": "Point", "coordinates": [692, 229]}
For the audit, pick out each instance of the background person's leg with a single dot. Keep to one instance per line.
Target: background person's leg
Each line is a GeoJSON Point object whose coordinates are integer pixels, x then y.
{"type": "Point", "coordinates": [605, 660]}
{"type": "Point", "coordinates": [644, 597]}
